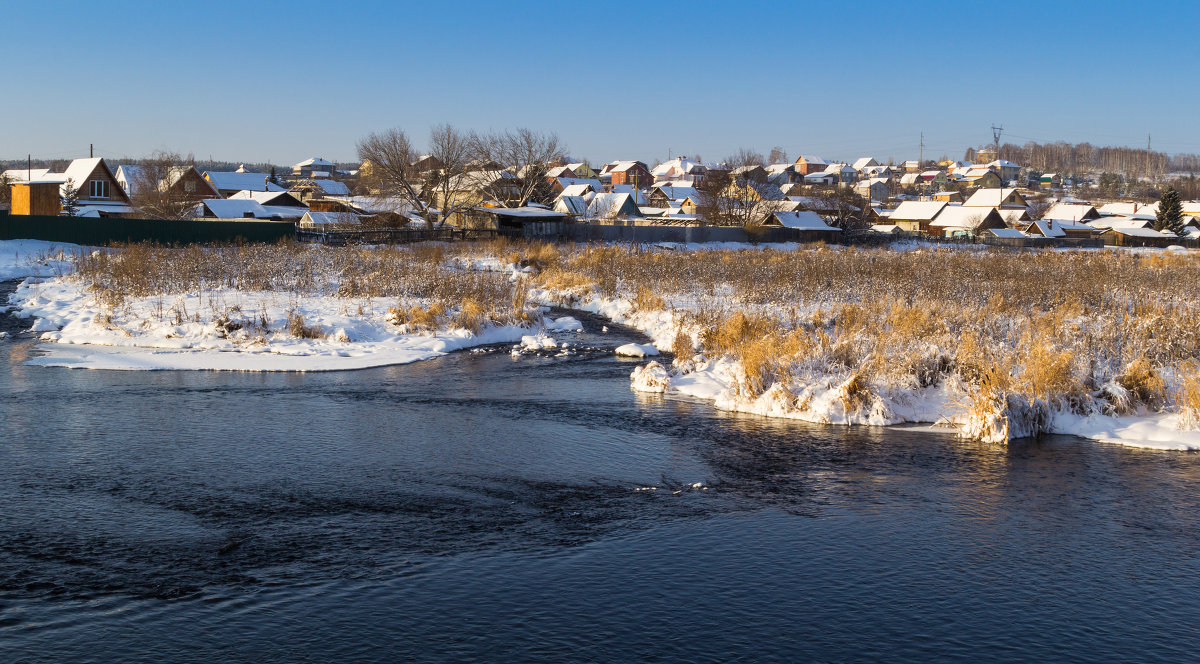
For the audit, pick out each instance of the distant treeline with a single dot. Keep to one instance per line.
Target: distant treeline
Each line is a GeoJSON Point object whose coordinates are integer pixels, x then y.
{"type": "Point", "coordinates": [1080, 158]}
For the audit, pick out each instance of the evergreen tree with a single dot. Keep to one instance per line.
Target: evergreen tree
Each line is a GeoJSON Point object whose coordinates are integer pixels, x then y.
{"type": "Point", "coordinates": [70, 198]}
{"type": "Point", "coordinates": [1170, 213]}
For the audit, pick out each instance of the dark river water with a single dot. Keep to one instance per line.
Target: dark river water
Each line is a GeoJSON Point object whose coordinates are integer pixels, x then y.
{"type": "Point", "coordinates": [477, 508]}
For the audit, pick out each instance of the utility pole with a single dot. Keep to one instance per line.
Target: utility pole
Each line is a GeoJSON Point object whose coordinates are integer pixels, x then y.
{"type": "Point", "coordinates": [91, 150]}
{"type": "Point", "coordinates": [1148, 143]}
{"type": "Point", "coordinates": [921, 159]}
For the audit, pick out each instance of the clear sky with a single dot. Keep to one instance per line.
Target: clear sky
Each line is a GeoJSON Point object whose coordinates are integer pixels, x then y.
{"type": "Point", "coordinates": [282, 81]}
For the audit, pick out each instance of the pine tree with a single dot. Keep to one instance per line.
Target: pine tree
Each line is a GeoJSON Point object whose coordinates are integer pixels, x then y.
{"type": "Point", "coordinates": [1170, 213]}
{"type": "Point", "coordinates": [70, 198]}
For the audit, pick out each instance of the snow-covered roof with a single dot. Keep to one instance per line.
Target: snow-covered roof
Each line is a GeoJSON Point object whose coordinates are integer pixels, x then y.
{"type": "Point", "coordinates": [1006, 232]}
{"type": "Point", "coordinates": [595, 184]}
{"type": "Point", "coordinates": [1140, 232]}
{"type": "Point", "coordinates": [863, 162]}
{"type": "Point", "coordinates": [527, 212]}
{"type": "Point", "coordinates": [989, 197]}
{"type": "Point", "coordinates": [886, 228]}
{"type": "Point", "coordinates": [1046, 228]}
{"type": "Point", "coordinates": [1119, 209]}
{"type": "Point", "coordinates": [577, 189]}
{"type": "Point", "coordinates": [678, 193]}
{"type": "Point", "coordinates": [80, 169]}
{"type": "Point", "coordinates": [803, 220]}
{"type": "Point", "coordinates": [612, 204]}
{"type": "Point", "coordinates": [263, 197]}
{"type": "Point", "coordinates": [575, 205]}
{"type": "Point", "coordinates": [918, 210]}
{"type": "Point", "coordinates": [1120, 222]}
{"type": "Point", "coordinates": [959, 216]}
{"type": "Point", "coordinates": [322, 218]}
{"type": "Point", "coordinates": [238, 181]}
{"type": "Point", "coordinates": [639, 196]}
{"type": "Point", "coordinates": [1070, 211]}
{"type": "Point", "coordinates": [333, 187]}
{"type": "Point", "coordinates": [20, 175]}
{"type": "Point", "coordinates": [811, 159]}
{"type": "Point", "coordinates": [909, 178]}
{"type": "Point", "coordinates": [228, 208]}
{"type": "Point", "coordinates": [314, 161]}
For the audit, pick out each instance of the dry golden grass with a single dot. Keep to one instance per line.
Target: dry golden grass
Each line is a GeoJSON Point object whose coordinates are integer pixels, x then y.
{"type": "Point", "coordinates": [1188, 395]}
{"type": "Point", "coordinates": [1045, 327]}
{"type": "Point", "coordinates": [297, 327]}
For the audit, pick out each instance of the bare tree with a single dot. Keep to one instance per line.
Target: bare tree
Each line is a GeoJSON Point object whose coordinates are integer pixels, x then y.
{"type": "Point", "coordinates": [387, 170]}
{"type": "Point", "coordinates": [778, 155]}
{"type": "Point", "coordinates": [157, 189]}
{"type": "Point", "coordinates": [452, 149]}
{"type": "Point", "coordinates": [726, 200]}
{"type": "Point", "coordinates": [745, 157]}
{"type": "Point", "coordinates": [527, 154]}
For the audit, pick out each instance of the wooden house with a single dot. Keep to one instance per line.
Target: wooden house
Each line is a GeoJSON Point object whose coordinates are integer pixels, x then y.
{"type": "Point", "coordinates": [960, 220]}
{"type": "Point", "coordinates": [98, 192]}
{"type": "Point", "coordinates": [515, 222]}
{"type": "Point", "coordinates": [808, 225]}
{"type": "Point", "coordinates": [916, 216]}
{"type": "Point", "coordinates": [947, 196]}
{"type": "Point", "coordinates": [1009, 199]}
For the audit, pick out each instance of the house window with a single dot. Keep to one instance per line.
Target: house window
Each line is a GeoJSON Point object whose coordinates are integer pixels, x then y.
{"type": "Point", "coordinates": [189, 186]}
{"type": "Point", "coordinates": [98, 189]}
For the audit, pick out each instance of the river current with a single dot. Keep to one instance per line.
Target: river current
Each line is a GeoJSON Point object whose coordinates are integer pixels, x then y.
{"type": "Point", "coordinates": [480, 508]}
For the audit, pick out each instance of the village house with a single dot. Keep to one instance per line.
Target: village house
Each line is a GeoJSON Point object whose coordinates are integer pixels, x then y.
{"type": "Point", "coordinates": [960, 220]}
{"type": "Point", "coordinates": [844, 173]}
{"type": "Point", "coordinates": [806, 164]}
{"type": "Point", "coordinates": [1009, 199]}
{"type": "Point", "coordinates": [183, 181]}
{"type": "Point", "coordinates": [528, 221]}
{"type": "Point", "coordinates": [1071, 212]}
{"type": "Point", "coordinates": [314, 167]}
{"type": "Point", "coordinates": [95, 186]}
{"type": "Point", "coordinates": [628, 172]}
{"type": "Point", "coordinates": [612, 206]}
{"type": "Point", "coordinates": [861, 164]}
{"type": "Point", "coordinates": [810, 226]}
{"type": "Point", "coordinates": [916, 216]}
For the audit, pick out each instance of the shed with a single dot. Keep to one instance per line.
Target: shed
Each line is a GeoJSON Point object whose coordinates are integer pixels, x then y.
{"type": "Point", "coordinates": [516, 222]}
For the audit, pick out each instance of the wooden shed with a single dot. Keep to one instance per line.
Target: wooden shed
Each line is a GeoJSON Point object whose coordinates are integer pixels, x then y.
{"type": "Point", "coordinates": [36, 198]}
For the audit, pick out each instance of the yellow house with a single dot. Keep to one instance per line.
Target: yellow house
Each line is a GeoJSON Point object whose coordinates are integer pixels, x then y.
{"type": "Point", "coordinates": [584, 171]}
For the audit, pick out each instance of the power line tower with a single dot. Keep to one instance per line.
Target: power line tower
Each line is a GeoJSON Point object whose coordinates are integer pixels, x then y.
{"type": "Point", "coordinates": [996, 138]}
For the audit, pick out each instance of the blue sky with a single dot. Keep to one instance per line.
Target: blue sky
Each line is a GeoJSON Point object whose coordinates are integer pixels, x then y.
{"type": "Point", "coordinates": [282, 81]}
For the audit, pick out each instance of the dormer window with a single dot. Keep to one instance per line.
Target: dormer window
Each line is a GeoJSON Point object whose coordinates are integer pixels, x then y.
{"type": "Point", "coordinates": [98, 189]}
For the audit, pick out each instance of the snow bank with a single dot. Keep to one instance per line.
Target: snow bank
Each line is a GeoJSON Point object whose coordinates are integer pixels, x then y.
{"type": "Point", "coordinates": [34, 258]}
{"type": "Point", "coordinates": [227, 330]}
{"type": "Point", "coordinates": [636, 350]}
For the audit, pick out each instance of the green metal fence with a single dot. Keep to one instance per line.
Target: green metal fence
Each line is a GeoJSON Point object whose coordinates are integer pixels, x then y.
{"type": "Point", "coordinates": [104, 231]}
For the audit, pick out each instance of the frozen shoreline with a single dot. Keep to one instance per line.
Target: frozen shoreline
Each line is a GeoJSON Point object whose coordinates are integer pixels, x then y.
{"type": "Point", "coordinates": [246, 331]}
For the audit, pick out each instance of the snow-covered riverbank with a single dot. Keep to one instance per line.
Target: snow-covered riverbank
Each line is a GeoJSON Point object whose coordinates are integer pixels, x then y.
{"type": "Point", "coordinates": [225, 329]}
{"type": "Point", "coordinates": [830, 399]}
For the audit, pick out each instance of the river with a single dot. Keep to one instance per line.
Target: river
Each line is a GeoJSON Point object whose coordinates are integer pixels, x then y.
{"type": "Point", "coordinates": [481, 508]}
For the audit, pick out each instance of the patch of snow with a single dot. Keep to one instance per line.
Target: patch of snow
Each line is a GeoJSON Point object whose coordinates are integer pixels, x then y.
{"type": "Point", "coordinates": [636, 350]}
